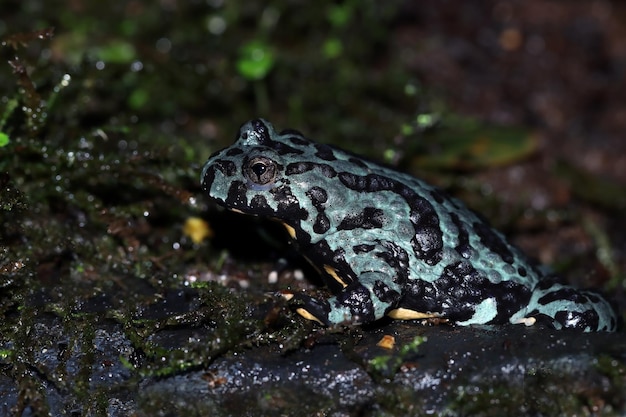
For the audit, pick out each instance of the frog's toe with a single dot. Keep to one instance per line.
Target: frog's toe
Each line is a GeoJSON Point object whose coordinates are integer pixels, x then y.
{"type": "Point", "coordinates": [309, 308]}
{"type": "Point", "coordinates": [564, 307]}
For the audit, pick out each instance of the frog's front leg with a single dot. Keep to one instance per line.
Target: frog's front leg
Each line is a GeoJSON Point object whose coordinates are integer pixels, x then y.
{"type": "Point", "coordinates": [368, 280]}
{"type": "Point", "coordinates": [362, 301]}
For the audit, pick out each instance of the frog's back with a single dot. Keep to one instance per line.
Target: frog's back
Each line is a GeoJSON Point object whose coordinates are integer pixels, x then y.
{"type": "Point", "coordinates": [451, 251]}
{"type": "Point", "coordinates": [443, 230]}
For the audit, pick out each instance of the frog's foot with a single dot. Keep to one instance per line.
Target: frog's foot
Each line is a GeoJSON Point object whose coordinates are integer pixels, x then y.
{"type": "Point", "coordinates": [308, 307]}
{"type": "Point", "coordinates": [327, 312]}
{"type": "Point", "coordinates": [566, 307]}
{"type": "Point", "coordinates": [363, 301]}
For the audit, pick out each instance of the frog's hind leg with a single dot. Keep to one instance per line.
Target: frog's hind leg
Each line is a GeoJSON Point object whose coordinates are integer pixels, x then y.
{"type": "Point", "coordinates": [563, 306]}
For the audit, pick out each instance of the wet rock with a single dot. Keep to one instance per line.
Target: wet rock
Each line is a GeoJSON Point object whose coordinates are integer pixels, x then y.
{"type": "Point", "coordinates": [96, 368]}
{"type": "Point", "coordinates": [456, 371]}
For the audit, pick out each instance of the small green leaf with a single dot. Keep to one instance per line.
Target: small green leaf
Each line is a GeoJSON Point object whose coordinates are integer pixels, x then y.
{"type": "Point", "coordinates": [117, 52]}
{"type": "Point", "coordinates": [339, 15]}
{"type": "Point", "coordinates": [4, 139]}
{"type": "Point", "coordinates": [5, 353]}
{"type": "Point", "coordinates": [426, 120]}
{"type": "Point", "coordinates": [407, 129]}
{"type": "Point", "coordinates": [255, 60]}
{"type": "Point", "coordinates": [332, 48]}
{"type": "Point", "coordinates": [138, 98]}
{"type": "Point", "coordinates": [388, 364]}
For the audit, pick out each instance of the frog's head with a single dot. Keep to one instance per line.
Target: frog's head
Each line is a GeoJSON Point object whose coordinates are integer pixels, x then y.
{"type": "Point", "coordinates": [253, 175]}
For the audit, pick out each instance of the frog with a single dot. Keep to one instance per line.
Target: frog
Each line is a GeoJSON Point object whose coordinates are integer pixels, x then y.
{"type": "Point", "coordinates": [388, 244]}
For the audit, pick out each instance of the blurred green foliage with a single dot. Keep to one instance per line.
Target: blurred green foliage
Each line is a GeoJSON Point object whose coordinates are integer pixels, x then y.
{"type": "Point", "coordinates": [255, 60]}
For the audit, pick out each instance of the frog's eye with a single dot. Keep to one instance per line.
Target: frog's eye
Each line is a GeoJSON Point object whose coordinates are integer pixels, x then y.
{"type": "Point", "coordinates": [260, 171]}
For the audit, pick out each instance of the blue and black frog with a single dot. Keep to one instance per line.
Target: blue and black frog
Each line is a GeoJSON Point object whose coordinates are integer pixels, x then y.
{"type": "Point", "coordinates": [386, 243]}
